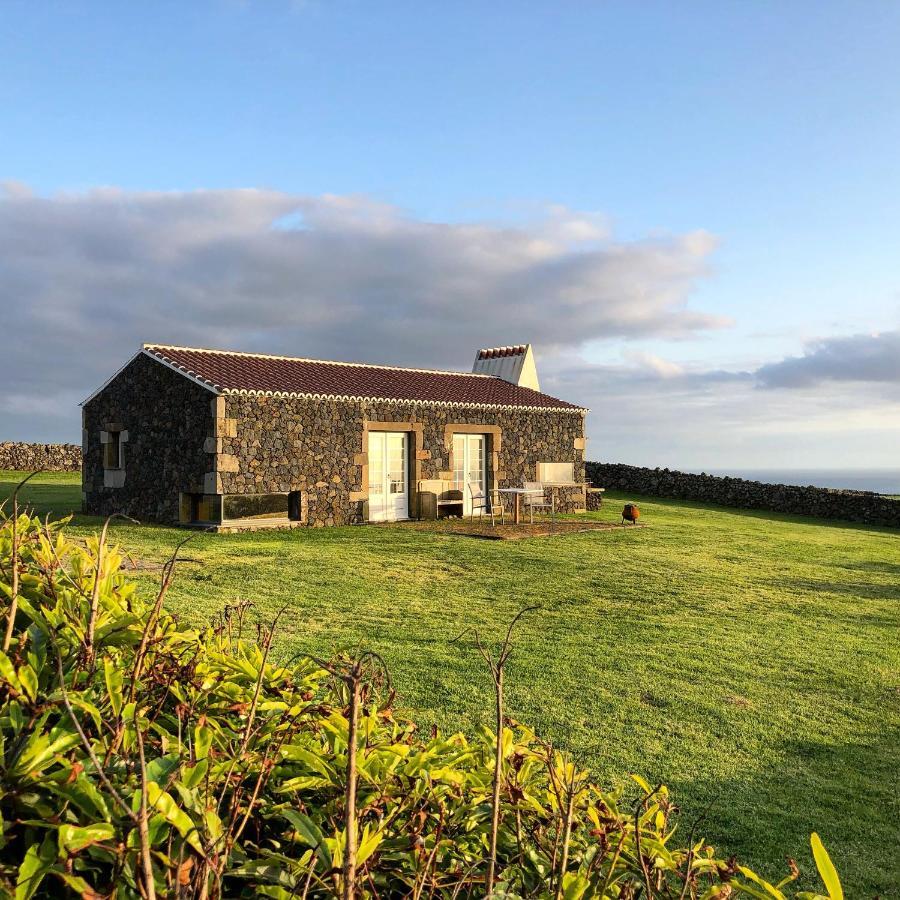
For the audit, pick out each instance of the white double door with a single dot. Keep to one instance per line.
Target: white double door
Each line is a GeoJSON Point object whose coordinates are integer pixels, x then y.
{"type": "Point", "coordinates": [388, 476]}
{"type": "Point", "coordinates": [469, 451]}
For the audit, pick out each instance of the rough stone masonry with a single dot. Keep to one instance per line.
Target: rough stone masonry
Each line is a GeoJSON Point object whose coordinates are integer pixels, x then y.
{"type": "Point", "coordinates": [825, 503]}
{"type": "Point", "coordinates": [25, 457]}
{"type": "Point", "coordinates": [179, 438]}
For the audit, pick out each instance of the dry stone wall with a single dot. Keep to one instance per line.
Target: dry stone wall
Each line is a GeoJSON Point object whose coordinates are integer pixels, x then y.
{"type": "Point", "coordinates": [24, 457]}
{"type": "Point", "coordinates": [852, 506]}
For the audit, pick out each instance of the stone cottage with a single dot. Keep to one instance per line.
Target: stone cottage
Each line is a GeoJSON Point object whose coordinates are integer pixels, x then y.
{"type": "Point", "coordinates": [230, 440]}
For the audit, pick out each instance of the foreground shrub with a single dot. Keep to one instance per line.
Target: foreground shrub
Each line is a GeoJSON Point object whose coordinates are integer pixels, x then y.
{"type": "Point", "coordinates": [144, 759]}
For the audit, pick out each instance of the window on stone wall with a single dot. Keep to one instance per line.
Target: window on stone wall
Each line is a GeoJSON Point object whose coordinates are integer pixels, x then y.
{"type": "Point", "coordinates": [201, 508]}
{"type": "Point", "coordinates": [296, 511]}
{"type": "Point", "coordinates": [112, 450]}
{"type": "Point", "coordinates": [255, 506]}
{"type": "Point", "coordinates": [556, 472]}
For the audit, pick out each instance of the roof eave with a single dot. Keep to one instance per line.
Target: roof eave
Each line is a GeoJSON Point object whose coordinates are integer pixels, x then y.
{"type": "Point", "coordinates": [350, 398]}
{"type": "Point", "coordinates": [187, 373]}
{"type": "Point", "coordinates": [191, 376]}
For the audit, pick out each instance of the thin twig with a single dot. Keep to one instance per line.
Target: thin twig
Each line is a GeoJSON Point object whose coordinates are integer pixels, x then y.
{"type": "Point", "coordinates": [143, 814]}
{"type": "Point", "coordinates": [496, 669]}
{"type": "Point", "coordinates": [567, 834]}
{"type": "Point", "coordinates": [637, 838]}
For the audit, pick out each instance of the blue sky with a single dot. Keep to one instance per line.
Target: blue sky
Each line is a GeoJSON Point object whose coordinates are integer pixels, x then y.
{"type": "Point", "coordinates": [774, 128]}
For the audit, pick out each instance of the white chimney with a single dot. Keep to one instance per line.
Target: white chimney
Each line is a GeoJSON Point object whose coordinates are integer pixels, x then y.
{"type": "Point", "coordinates": [514, 364]}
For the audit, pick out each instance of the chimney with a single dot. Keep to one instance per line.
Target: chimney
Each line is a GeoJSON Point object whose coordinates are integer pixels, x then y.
{"type": "Point", "coordinates": [513, 364]}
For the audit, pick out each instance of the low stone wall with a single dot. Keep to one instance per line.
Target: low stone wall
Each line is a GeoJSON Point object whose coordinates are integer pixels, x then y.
{"type": "Point", "coordinates": [852, 506]}
{"type": "Point", "coordinates": [40, 457]}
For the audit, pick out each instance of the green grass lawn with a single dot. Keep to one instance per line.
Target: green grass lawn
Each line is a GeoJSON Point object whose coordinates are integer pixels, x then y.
{"type": "Point", "coordinates": [749, 660]}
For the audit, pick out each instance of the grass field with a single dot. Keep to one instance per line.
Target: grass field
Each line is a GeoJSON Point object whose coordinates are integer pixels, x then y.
{"type": "Point", "coordinates": [751, 661]}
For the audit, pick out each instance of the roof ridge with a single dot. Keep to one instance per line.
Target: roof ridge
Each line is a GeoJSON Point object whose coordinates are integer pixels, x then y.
{"type": "Point", "coordinates": [304, 359]}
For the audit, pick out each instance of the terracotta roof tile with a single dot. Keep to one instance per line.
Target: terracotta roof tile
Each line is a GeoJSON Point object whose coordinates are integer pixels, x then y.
{"type": "Point", "coordinates": [232, 372]}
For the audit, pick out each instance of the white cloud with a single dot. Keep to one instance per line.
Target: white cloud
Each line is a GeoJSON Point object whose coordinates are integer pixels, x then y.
{"type": "Point", "coordinates": [648, 411]}
{"type": "Point", "coordinates": [857, 358]}
{"type": "Point", "coordinates": [87, 277]}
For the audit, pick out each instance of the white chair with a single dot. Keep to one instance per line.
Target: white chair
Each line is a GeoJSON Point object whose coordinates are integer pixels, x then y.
{"type": "Point", "coordinates": [537, 500]}
{"type": "Point", "coordinates": [482, 504]}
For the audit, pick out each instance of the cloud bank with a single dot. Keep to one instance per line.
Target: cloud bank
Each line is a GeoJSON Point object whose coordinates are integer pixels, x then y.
{"type": "Point", "coordinates": [85, 278]}
{"type": "Point", "coordinates": [858, 358]}
{"type": "Point", "coordinates": [88, 277]}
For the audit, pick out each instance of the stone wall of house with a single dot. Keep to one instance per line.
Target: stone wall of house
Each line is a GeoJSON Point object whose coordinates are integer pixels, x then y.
{"type": "Point", "coordinates": [319, 447]}
{"type": "Point", "coordinates": [25, 457]}
{"type": "Point", "coordinates": [852, 506]}
{"type": "Point", "coordinates": [166, 420]}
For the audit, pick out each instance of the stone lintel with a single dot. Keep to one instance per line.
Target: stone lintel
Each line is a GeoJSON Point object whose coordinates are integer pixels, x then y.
{"type": "Point", "coordinates": [466, 428]}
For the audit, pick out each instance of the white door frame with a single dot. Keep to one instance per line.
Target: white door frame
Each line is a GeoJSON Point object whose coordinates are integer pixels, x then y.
{"type": "Point", "coordinates": [472, 463]}
{"type": "Point", "coordinates": [388, 453]}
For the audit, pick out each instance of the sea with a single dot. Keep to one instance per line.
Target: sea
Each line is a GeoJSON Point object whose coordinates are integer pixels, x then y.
{"type": "Point", "coordinates": [881, 481]}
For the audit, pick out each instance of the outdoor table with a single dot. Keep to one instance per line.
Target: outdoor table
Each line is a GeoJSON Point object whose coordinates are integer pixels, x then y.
{"type": "Point", "coordinates": [518, 493]}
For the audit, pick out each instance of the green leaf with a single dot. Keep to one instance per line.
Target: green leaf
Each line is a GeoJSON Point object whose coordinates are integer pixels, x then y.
{"type": "Point", "coordinates": [194, 775]}
{"type": "Point", "coordinates": [16, 716]}
{"type": "Point", "coordinates": [113, 675]}
{"type": "Point", "coordinates": [293, 753]}
{"type": "Point", "coordinates": [159, 770]}
{"type": "Point", "coordinates": [37, 862]}
{"type": "Point", "coordinates": [42, 749]}
{"type": "Point", "coordinates": [310, 833]}
{"type": "Point", "coordinates": [827, 871]}
{"type": "Point", "coordinates": [770, 889]}
{"type": "Point", "coordinates": [368, 844]}
{"type": "Point", "coordinates": [72, 838]}
{"type": "Point", "coordinates": [642, 783]}
{"type": "Point", "coordinates": [574, 886]}
{"type": "Point", "coordinates": [203, 736]}
{"type": "Point", "coordinates": [8, 673]}
{"type": "Point", "coordinates": [29, 680]}
{"type": "Point", "coordinates": [163, 803]}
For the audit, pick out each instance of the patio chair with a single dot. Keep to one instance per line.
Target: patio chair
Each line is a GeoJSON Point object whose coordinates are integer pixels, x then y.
{"type": "Point", "coordinates": [482, 503]}
{"type": "Point", "coordinates": [538, 501]}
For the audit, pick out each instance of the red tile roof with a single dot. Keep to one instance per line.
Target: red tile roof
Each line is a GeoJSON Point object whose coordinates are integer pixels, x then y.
{"type": "Point", "coordinates": [231, 372]}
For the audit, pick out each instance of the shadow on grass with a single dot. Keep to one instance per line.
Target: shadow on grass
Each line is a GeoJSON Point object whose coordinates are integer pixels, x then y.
{"type": "Point", "coordinates": [882, 568]}
{"type": "Point", "coordinates": [859, 590]}
{"type": "Point", "coordinates": [44, 493]}
{"type": "Point", "coordinates": [782, 805]}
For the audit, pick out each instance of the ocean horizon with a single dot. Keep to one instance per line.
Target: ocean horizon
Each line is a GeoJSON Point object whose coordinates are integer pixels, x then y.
{"type": "Point", "coordinates": [881, 481]}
